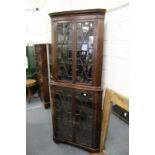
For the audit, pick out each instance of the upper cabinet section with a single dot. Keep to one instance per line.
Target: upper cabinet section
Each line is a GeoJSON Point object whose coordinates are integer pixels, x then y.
{"type": "Point", "coordinates": [77, 51]}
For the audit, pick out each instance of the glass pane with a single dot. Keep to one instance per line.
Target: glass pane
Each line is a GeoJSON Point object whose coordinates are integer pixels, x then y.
{"type": "Point", "coordinates": [63, 114]}
{"type": "Point", "coordinates": [85, 43]}
{"type": "Point", "coordinates": [64, 58]}
{"type": "Point", "coordinates": [84, 105]}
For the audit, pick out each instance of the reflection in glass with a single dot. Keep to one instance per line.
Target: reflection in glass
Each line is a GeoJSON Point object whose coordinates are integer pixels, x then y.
{"type": "Point", "coordinates": [85, 43]}
{"type": "Point", "coordinates": [63, 113]}
{"type": "Point", "coordinates": [84, 105]}
{"type": "Point", "coordinates": [64, 58]}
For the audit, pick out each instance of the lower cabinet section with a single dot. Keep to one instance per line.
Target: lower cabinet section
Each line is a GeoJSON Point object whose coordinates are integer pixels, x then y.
{"type": "Point", "coordinates": [77, 117]}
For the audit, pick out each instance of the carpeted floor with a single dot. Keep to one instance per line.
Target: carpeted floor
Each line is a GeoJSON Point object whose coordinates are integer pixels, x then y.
{"type": "Point", "coordinates": [39, 134]}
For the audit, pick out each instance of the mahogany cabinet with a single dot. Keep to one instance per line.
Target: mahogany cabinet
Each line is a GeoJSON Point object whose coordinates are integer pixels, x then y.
{"type": "Point", "coordinates": [42, 72]}
{"type": "Point", "coordinates": [77, 53]}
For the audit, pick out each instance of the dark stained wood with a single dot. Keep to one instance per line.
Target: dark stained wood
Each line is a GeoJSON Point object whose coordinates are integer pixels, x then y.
{"type": "Point", "coordinates": [72, 17]}
{"type": "Point", "coordinates": [81, 87]}
{"type": "Point", "coordinates": [78, 12]}
{"type": "Point", "coordinates": [74, 53]}
{"type": "Point", "coordinates": [95, 53]}
{"type": "Point", "coordinates": [98, 117]}
{"type": "Point", "coordinates": [77, 145]}
{"type": "Point", "coordinates": [53, 110]}
{"type": "Point", "coordinates": [76, 89]}
{"type": "Point", "coordinates": [99, 52]}
{"type": "Point", "coordinates": [54, 51]}
{"type": "Point", "coordinates": [42, 72]}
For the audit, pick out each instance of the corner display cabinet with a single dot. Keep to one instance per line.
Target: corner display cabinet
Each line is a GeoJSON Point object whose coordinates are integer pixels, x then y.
{"type": "Point", "coordinates": [77, 53]}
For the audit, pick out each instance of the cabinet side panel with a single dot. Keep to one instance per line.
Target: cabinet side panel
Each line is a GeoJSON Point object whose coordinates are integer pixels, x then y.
{"type": "Point", "coordinates": [99, 52]}
{"type": "Point", "coordinates": [54, 51]}
{"type": "Point", "coordinates": [97, 120]}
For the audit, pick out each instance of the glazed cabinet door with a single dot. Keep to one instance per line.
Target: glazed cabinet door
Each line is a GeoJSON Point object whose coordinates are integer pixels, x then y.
{"type": "Point", "coordinates": [75, 41]}
{"type": "Point", "coordinates": [84, 51]}
{"type": "Point", "coordinates": [64, 51]}
{"type": "Point", "coordinates": [75, 113]}
{"type": "Point", "coordinates": [62, 102]}
{"type": "Point", "coordinates": [84, 114]}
